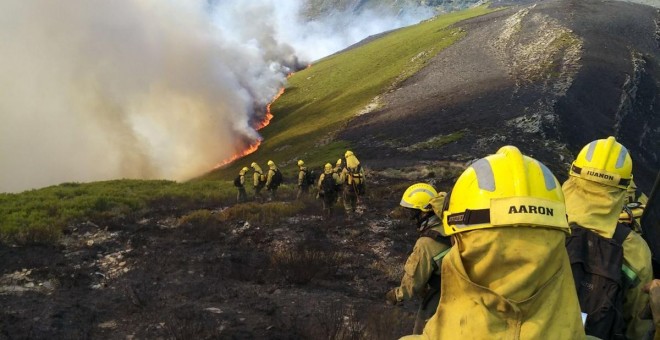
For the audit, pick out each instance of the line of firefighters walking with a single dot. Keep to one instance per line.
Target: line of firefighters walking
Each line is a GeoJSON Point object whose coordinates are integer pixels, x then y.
{"type": "Point", "coordinates": [346, 180]}
{"type": "Point", "coordinates": [510, 253]}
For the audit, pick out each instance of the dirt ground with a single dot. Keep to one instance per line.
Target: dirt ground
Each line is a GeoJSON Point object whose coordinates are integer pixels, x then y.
{"type": "Point", "coordinates": [156, 278]}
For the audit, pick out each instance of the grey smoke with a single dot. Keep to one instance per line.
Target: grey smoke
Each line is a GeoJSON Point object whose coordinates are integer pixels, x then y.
{"type": "Point", "coordinates": [94, 90]}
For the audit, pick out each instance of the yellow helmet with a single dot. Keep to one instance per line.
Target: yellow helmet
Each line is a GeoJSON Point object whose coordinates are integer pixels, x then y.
{"type": "Point", "coordinates": [605, 161]}
{"type": "Point", "coordinates": [254, 164]}
{"type": "Point", "coordinates": [338, 162]}
{"type": "Point", "coordinates": [327, 166]}
{"type": "Point", "coordinates": [271, 163]}
{"type": "Point", "coordinates": [245, 169]}
{"type": "Point", "coordinates": [300, 162]}
{"type": "Point", "coordinates": [348, 153]}
{"type": "Point", "coordinates": [418, 196]}
{"type": "Point", "coordinates": [505, 189]}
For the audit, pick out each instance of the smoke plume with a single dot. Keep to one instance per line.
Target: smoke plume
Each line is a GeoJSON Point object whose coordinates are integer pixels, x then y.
{"type": "Point", "coordinates": [94, 90]}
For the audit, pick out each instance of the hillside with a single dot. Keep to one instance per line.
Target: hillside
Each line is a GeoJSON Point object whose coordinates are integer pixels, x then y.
{"type": "Point", "coordinates": [548, 81]}
{"type": "Point", "coordinates": [320, 100]}
{"type": "Point", "coordinates": [158, 259]}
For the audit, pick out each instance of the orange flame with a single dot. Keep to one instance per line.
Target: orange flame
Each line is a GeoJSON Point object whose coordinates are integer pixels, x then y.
{"type": "Point", "coordinates": [269, 115]}
{"type": "Point", "coordinates": [254, 146]}
{"type": "Point", "coordinates": [250, 149]}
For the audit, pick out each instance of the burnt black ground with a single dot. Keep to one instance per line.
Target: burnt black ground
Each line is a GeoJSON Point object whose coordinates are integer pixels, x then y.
{"type": "Point", "coordinates": [159, 278]}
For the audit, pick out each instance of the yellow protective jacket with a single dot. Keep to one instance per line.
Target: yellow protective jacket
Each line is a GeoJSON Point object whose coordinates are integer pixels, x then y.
{"type": "Point", "coordinates": [241, 175]}
{"type": "Point", "coordinates": [423, 262]}
{"type": "Point", "coordinates": [596, 207]}
{"type": "Point", "coordinates": [506, 283]}
{"type": "Point", "coordinates": [271, 173]}
{"type": "Point", "coordinates": [257, 174]}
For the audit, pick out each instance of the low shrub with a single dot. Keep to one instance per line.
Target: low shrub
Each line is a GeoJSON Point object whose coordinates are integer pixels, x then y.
{"type": "Point", "coordinates": [337, 321]}
{"type": "Point", "coordinates": [199, 218]}
{"type": "Point", "coordinates": [300, 266]}
{"type": "Point", "coordinates": [188, 322]}
{"type": "Point", "coordinates": [265, 213]}
{"type": "Point", "coordinates": [387, 322]}
{"type": "Point", "coordinates": [39, 216]}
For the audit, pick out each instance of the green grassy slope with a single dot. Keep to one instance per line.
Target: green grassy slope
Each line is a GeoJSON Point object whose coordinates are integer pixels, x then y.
{"type": "Point", "coordinates": [40, 215]}
{"type": "Point", "coordinates": [320, 99]}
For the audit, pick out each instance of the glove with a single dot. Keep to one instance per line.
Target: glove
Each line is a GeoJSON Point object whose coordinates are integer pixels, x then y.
{"type": "Point", "coordinates": [390, 297]}
{"type": "Point", "coordinates": [653, 288]}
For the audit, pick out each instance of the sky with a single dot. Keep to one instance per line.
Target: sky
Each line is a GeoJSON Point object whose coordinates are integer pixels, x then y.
{"type": "Point", "coordinates": [150, 89]}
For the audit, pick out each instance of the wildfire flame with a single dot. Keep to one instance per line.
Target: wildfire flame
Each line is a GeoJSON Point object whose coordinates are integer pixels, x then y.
{"type": "Point", "coordinates": [250, 149]}
{"type": "Point", "coordinates": [254, 146]}
{"type": "Point", "coordinates": [269, 115]}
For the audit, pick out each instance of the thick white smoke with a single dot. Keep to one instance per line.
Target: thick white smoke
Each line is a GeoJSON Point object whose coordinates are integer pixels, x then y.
{"type": "Point", "coordinates": [95, 89]}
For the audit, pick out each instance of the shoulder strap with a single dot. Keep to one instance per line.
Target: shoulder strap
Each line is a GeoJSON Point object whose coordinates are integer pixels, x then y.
{"type": "Point", "coordinates": [630, 278]}
{"type": "Point", "coordinates": [436, 236]}
{"type": "Point", "coordinates": [620, 233]}
{"type": "Point", "coordinates": [431, 234]}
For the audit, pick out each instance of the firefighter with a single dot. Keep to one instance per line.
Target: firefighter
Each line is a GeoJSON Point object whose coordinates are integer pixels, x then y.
{"type": "Point", "coordinates": [352, 177]}
{"type": "Point", "coordinates": [421, 277]}
{"type": "Point", "coordinates": [508, 275]}
{"type": "Point", "coordinates": [273, 180]}
{"type": "Point", "coordinates": [259, 181]}
{"type": "Point", "coordinates": [303, 180]}
{"type": "Point", "coordinates": [338, 169]}
{"type": "Point", "coordinates": [242, 195]}
{"type": "Point", "coordinates": [595, 192]}
{"type": "Point", "coordinates": [327, 187]}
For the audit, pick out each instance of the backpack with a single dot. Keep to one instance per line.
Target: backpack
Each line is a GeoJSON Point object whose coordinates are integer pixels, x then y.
{"type": "Point", "coordinates": [354, 174]}
{"type": "Point", "coordinates": [328, 186]}
{"type": "Point", "coordinates": [237, 181]}
{"type": "Point", "coordinates": [600, 279]}
{"type": "Point", "coordinates": [262, 180]}
{"type": "Point", "coordinates": [355, 179]}
{"type": "Point", "coordinates": [277, 179]}
{"type": "Point", "coordinates": [310, 178]}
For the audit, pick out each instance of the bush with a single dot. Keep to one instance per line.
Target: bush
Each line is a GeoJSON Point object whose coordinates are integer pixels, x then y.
{"type": "Point", "coordinates": [267, 213]}
{"type": "Point", "coordinates": [39, 216]}
{"type": "Point", "coordinates": [301, 266]}
{"type": "Point", "coordinates": [199, 218]}
{"type": "Point", "coordinates": [387, 322]}
{"type": "Point", "coordinates": [190, 323]}
{"type": "Point", "coordinates": [336, 321]}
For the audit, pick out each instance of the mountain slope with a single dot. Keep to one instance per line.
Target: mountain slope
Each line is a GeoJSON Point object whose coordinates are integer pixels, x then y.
{"type": "Point", "coordinates": [320, 100]}
{"type": "Point", "coordinates": [546, 77]}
